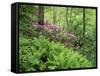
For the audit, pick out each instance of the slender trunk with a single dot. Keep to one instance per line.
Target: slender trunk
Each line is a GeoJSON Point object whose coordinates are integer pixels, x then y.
{"type": "Point", "coordinates": [54, 15]}
{"type": "Point", "coordinates": [70, 20]}
{"type": "Point", "coordinates": [41, 15]}
{"type": "Point", "coordinates": [59, 18]}
{"type": "Point", "coordinates": [66, 18]}
{"type": "Point", "coordinates": [84, 27]}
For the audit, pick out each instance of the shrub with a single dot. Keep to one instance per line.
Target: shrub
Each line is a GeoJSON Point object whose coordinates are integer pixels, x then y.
{"type": "Point", "coordinates": [40, 54]}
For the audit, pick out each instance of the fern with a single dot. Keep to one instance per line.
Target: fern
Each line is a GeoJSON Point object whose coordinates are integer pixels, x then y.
{"type": "Point", "coordinates": [41, 54]}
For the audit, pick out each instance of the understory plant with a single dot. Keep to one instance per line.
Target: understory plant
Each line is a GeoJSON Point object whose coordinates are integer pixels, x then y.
{"type": "Point", "coordinates": [38, 54]}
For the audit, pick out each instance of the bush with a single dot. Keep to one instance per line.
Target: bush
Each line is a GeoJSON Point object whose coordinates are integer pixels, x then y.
{"type": "Point", "coordinates": [40, 54]}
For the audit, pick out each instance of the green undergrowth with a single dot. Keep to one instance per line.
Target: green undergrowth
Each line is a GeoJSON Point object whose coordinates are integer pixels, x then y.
{"type": "Point", "coordinates": [40, 54]}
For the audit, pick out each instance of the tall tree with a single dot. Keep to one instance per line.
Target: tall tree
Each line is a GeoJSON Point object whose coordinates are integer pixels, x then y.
{"type": "Point", "coordinates": [70, 29]}
{"type": "Point", "coordinates": [41, 15]}
{"type": "Point", "coordinates": [59, 17]}
{"type": "Point", "coordinates": [84, 25]}
{"type": "Point", "coordinates": [66, 17]}
{"type": "Point", "coordinates": [54, 15]}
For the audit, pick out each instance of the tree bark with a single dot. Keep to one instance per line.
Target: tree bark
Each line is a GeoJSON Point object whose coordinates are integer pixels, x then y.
{"type": "Point", "coordinates": [67, 17]}
{"type": "Point", "coordinates": [70, 29]}
{"type": "Point", "coordinates": [84, 27]}
{"type": "Point", "coordinates": [59, 17]}
{"type": "Point", "coordinates": [41, 15]}
{"type": "Point", "coordinates": [54, 15]}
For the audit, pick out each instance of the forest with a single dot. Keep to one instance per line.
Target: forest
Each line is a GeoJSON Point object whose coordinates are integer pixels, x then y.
{"type": "Point", "coordinates": [56, 38]}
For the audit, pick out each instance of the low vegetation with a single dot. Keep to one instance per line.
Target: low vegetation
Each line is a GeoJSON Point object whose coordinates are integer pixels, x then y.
{"type": "Point", "coordinates": [55, 38]}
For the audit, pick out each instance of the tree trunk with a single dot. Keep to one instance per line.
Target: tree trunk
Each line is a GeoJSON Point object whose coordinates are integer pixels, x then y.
{"type": "Point", "coordinates": [84, 23]}
{"type": "Point", "coordinates": [59, 17]}
{"type": "Point", "coordinates": [70, 29]}
{"type": "Point", "coordinates": [54, 15]}
{"type": "Point", "coordinates": [67, 17]}
{"type": "Point", "coordinates": [84, 26]}
{"type": "Point", "coordinates": [41, 15]}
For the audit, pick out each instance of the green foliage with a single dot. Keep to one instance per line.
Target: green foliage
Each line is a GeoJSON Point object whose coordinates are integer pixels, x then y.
{"type": "Point", "coordinates": [48, 49]}
{"type": "Point", "coordinates": [41, 54]}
